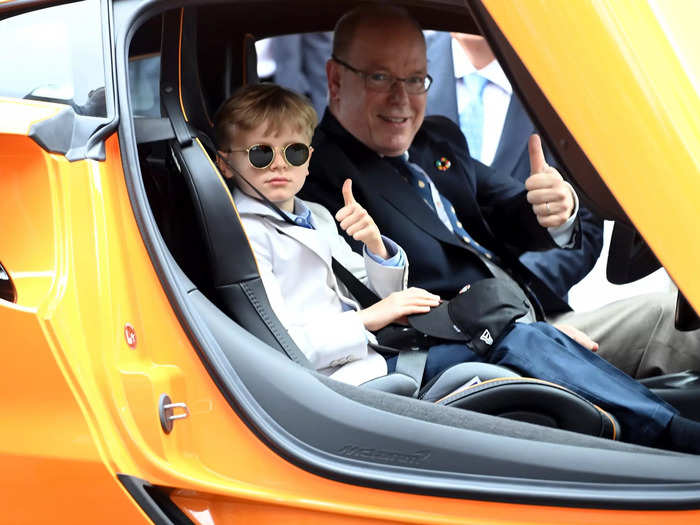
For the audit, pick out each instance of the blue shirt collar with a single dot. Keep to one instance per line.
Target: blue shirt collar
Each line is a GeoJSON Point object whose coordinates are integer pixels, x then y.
{"type": "Point", "coordinates": [302, 215]}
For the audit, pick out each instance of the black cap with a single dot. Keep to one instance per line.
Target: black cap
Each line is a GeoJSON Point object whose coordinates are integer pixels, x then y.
{"type": "Point", "coordinates": [478, 315]}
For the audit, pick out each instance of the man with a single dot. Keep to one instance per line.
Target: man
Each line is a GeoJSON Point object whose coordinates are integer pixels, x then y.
{"type": "Point", "coordinates": [457, 220]}
{"type": "Point", "coordinates": [470, 88]}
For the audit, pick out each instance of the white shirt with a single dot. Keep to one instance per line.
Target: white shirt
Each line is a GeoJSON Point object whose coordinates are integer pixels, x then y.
{"type": "Point", "coordinates": [496, 98]}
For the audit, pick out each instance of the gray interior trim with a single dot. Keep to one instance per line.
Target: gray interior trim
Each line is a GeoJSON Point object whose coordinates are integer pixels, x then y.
{"type": "Point", "coordinates": [154, 501]}
{"type": "Point", "coordinates": [152, 129]}
{"type": "Point", "coordinates": [69, 134]}
{"type": "Point", "coordinates": [404, 444]}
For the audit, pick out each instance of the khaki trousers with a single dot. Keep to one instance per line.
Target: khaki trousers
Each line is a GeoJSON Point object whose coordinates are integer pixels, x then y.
{"type": "Point", "coordinates": [638, 335]}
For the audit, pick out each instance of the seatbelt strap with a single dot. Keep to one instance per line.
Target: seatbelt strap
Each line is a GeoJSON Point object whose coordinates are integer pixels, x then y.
{"type": "Point", "coordinates": [357, 288]}
{"type": "Point", "coordinates": [411, 363]}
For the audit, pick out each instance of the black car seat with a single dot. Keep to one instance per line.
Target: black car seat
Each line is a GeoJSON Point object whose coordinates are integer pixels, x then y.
{"type": "Point", "coordinates": [235, 284]}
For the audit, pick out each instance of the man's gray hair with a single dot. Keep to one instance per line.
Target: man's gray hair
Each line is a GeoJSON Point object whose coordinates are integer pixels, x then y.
{"type": "Point", "coordinates": [379, 14]}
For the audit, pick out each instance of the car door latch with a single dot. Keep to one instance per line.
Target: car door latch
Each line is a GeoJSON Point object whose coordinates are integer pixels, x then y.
{"type": "Point", "coordinates": [166, 411]}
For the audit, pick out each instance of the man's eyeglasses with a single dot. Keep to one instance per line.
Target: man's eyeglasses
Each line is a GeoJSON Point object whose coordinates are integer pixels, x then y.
{"type": "Point", "coordinates": [383, 82]}
{"type": "Point", "coordinates": [260, 156]}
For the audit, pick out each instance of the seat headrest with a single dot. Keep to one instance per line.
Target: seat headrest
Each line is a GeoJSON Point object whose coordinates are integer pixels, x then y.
{"type": "Point", "coordinates": [200, 92]}
{"type": "Point", "coordinates": [250, 61]}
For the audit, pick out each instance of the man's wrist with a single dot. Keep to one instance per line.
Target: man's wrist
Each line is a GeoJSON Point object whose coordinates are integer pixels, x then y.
{"type": "Point", "coordinates": [563, 235]}
{"type": "Point", "coordinates": [574, 199]}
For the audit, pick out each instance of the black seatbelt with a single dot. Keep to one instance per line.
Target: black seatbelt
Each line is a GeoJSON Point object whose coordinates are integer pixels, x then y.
{"type": "Point", "coordinates": [357, 288]}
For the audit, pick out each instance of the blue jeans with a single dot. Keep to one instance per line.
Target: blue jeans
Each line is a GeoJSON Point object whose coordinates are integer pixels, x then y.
{"type": "Point", "coordinates": [541, 351]}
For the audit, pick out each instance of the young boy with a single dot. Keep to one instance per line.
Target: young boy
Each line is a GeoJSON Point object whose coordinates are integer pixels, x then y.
{"type": "Point", "coordinates": [263, 135]}
{"type": "Point", "coordinates": [267, 130]}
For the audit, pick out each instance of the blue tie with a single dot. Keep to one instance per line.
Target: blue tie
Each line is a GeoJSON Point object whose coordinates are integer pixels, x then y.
{"type": "Point", "coordinates": [471, 118]}
{"type": "Point", "coordinates": [417, 178]}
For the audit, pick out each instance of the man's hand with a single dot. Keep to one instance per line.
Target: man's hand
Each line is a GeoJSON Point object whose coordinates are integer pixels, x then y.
{"type": "Point", "coordinates": [397, 306]}
{"type": "Point", "coordinates": [578, 336]}
{"type": "Point", "coordinates": [551, 198]}
{"type": "Point", "coordinates": [356, 222]}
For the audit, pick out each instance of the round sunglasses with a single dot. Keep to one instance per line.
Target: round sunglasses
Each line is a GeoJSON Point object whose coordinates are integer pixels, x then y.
{"type": "Point", "coordinates": [260, 156]}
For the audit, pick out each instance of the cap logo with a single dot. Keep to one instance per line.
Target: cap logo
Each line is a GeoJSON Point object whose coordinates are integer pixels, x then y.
{"type": "Point", "coordinates": [486, 337]}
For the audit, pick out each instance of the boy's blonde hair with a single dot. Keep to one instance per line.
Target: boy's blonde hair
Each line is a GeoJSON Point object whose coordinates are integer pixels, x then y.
{"type": "Point", "coordinates": [251, 105]}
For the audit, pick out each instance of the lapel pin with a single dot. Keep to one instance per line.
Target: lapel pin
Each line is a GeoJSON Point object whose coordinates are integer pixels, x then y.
{"type": "Point", "coordinates": [443, 164]}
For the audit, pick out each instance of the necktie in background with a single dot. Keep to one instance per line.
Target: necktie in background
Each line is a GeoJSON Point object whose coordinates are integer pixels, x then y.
{"type": "Point", "coordinates": [415, 176]}
{"type": "Point", "coordinates": [471, 118]}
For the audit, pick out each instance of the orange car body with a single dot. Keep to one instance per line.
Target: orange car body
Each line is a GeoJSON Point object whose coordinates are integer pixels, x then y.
{"type": "Point", "coordinates": [92, 341]}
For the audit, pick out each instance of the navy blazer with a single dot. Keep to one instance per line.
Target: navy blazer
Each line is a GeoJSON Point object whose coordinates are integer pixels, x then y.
{"type": "Point", "coordinates": [492, 208]}
{"type": "Point", "coordinates": [559, 269]}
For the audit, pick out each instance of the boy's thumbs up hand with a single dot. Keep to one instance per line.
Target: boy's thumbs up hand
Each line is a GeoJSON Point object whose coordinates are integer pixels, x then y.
{"type": "Point", "coordinates": [550, 197]}
{"type": "Point", "coordinates": [348, 197]}
{"type": "Point", "coordinates": [356, 222]}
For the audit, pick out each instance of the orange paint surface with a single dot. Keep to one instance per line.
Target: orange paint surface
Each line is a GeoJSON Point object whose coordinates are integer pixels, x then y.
{"type": "Point", "coordinates": [80, 403]}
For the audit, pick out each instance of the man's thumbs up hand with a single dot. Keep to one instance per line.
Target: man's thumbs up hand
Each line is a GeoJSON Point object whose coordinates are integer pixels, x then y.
{"type": "Point", "coordinates": [551, 198]}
